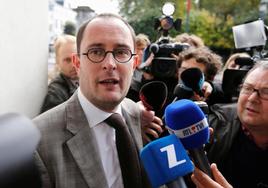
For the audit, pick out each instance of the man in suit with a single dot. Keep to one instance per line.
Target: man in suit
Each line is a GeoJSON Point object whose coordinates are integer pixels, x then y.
{"type": "Point", "coordinates": [78, 147]}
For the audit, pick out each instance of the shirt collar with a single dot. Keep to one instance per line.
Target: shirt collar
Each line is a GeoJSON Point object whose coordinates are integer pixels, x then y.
{"type": "Point", "coordinates": [89, 109]}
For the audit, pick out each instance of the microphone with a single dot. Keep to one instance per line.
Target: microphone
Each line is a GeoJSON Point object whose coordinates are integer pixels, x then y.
{"type": "Point", "coordinates": [19, 138]}
{"type": "Point", "coordinates": [166, 161]}
{"type": "Point", "coordinates": [180, 92]}
{"type": "Point", "coordinates": [187, 121]}
{"type": "Point", "coordinates": [154, 95]}
{"type": "Point", "coordinates": [191, 80]}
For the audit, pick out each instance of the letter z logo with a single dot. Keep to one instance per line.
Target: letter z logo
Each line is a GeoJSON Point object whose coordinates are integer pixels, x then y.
{"type": "Point", "coordinates": [171, 156]}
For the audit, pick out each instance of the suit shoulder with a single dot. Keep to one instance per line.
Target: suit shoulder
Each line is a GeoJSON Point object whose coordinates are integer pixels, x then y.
{"type": "Point", "coordinates": [51, 119]}
{"type": "Point", "coordinates": [130, 106]}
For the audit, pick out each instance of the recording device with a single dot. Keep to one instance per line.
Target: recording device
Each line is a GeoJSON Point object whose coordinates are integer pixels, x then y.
{"type": "Point", "coordinates": [187, 121]}
{"type": "Point", "coordinates": [18, 141]}
{"type": "Point", "coordinates": [191, 80]}
{"type": "Point", "coordinates": [164, 64]}
{"type": "Point", "coordinates": [250, 37]}
{"type": "Point", "coordinates": [232, 78]}
{"type": "Point", "coordinates": [153, 96]}
{"type": "Point", "coordinates": [244, 61]}
{"type": "Point", "coordinates": [166, 162]}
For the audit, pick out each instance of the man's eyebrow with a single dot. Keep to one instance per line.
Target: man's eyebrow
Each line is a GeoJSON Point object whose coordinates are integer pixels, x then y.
{"type": "Point", "coordinates": [101, 45]}
{"type": "Point", "coordinates": [122, 46]}
{"type": "Point", "coordinates": [94, 45]}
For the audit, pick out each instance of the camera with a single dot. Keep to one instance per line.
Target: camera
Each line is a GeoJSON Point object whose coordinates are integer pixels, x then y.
{"type": "Point", "coordinates": [249, 37]}
{"type": "Point", "coordinates": [164, 64]}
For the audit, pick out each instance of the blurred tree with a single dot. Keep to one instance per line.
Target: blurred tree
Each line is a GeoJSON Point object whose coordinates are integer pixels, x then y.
{"type": "Point", "coordinates": [211, 20]}
{"type": "Point", "coordinates": [240, 10]}
{"type": "Point", "coordinates": [69, 28]}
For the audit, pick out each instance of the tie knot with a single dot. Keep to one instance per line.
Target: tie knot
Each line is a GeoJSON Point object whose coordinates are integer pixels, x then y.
{"type": "Point", "coordinates": [116, 121]}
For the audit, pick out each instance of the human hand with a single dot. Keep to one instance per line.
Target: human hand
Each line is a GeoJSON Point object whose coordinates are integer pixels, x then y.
{"type": "Point", "coordinates": [207, 89]}
{"type": "Point", "coordinates": [202, 180]}
{"type": "Point", "coordinates": [150, 124]}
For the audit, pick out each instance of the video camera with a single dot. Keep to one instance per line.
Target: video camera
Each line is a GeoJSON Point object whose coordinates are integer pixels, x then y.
{"type": "Point", "coordinates": [251, 38]}
{"type": "Point", "coordinates": [164, 65]}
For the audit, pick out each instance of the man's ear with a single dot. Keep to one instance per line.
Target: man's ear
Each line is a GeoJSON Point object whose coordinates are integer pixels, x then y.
{"type": "Point", "coordinates": [76, 61]}
{"type": "Point", "coordinates": [135, 63]}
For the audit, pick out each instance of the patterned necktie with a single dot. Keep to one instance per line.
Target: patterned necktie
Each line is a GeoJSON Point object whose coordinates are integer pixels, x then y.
{"type": "Point", "coordinates": [127, 152]}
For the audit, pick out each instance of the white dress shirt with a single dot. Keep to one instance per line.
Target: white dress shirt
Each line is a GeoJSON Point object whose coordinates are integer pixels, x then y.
{"type": "Point", "coordinates": [105, 136]}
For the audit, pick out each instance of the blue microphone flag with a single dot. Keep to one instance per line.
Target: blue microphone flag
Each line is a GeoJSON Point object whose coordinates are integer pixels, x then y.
{"type": "Point", "coordinates": [165, 159]}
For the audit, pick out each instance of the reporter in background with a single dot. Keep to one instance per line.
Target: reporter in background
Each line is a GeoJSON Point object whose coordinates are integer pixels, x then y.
{"type": "Point", "coordinates": [142, 41]}
{"type": "Point", "coordinates": [64, 82]}
{"type": "Point", "coordinates": [209, 63]}
{"type": "Point", "coordinates": [240, 147]}
{"type": "Point", "coordinates": [191, 39]}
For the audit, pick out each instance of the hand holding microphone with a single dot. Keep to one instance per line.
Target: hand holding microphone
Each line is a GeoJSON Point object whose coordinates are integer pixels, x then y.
{"type": "Point", "coordinates": [153, 96]}
{"type": "Point", "coordinates": [187, 121]}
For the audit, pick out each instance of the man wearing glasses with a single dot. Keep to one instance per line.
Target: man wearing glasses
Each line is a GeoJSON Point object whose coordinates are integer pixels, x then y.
{"type": "Point", "coordinates": [240, 147]}
{"type": "Point", "coordinates": [79, 146]}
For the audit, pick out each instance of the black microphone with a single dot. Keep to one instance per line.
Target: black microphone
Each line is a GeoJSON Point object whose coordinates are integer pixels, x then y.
{"type": "Point", "coordinates": [191, 80]}
{"type": "Point", "coordinates": [181, 93]}
{"type": "Point", "coordinates": [19, 138]}
{"type": "Point", "coordinates": [153, 96]}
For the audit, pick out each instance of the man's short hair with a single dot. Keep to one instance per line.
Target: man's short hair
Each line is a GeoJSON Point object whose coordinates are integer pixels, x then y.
{"type": "Point", "coordinates": [205, 56]}
{"type": "Point", "coordinates": [104, 16]}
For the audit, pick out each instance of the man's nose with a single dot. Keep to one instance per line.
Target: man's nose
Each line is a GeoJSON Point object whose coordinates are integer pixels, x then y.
{"type": "Point", "coordinates": [109, 61]}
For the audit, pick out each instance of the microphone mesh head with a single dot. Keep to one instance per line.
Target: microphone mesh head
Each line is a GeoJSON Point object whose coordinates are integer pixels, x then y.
{"type": "Point", "coordinates": [188, 122]}
{"type": "Point", "coordinates": [193, 78]}
{"type": "Point", "coordinates": [154, 95]}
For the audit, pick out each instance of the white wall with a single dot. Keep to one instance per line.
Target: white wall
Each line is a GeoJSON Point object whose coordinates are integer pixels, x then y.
{"type": "Point", "coordinates": [23, 55]}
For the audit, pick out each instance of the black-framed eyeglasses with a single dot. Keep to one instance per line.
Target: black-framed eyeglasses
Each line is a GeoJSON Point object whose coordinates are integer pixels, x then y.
{"type": "Point", "coordinates": [97, 55]}
{"type": "Point", "coordinates": [248, 90]}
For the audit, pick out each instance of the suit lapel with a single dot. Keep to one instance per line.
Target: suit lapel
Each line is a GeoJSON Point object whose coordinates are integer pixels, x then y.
{"type": "Point", "coordinates": [83, 146]}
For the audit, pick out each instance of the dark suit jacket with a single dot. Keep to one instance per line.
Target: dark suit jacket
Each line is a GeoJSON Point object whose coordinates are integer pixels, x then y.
{"type": "Point", "coordinates": [60, 90]}
{"type": "Point", "coordinates": [68, 156]}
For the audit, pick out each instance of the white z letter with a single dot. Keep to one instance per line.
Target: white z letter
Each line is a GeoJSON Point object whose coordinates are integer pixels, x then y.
{"type": "Point", "coordinates": [171, 156]}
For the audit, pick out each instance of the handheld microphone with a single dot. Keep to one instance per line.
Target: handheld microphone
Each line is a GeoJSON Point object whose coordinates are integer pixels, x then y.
{"type": "Point", "coordinates": [180, 92]}
{"type": "Point", "coordinates": [191, 80]}
{"type": "Point", "coordinates": [19, 138]}
{"type": "Point", "coordinates": [166, 161]}
{"type": "Point", "coordinates": [153, 96]}
{"type": "Point", "coordinates": [186, 120]}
